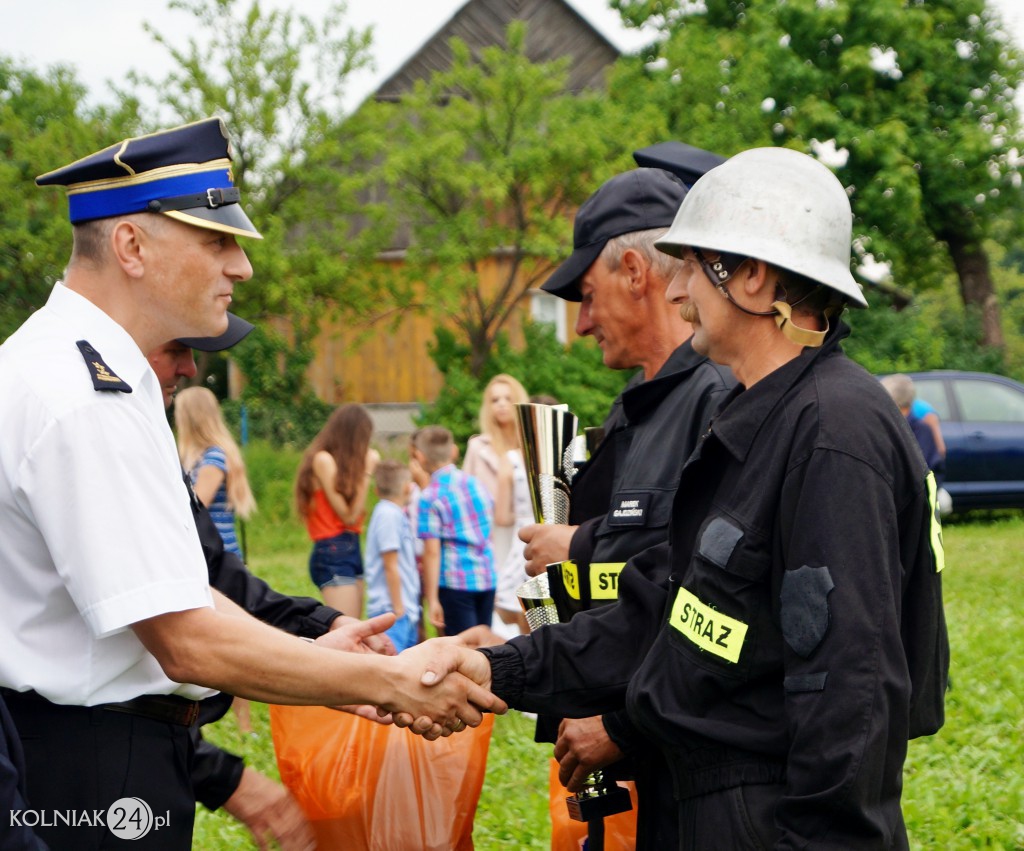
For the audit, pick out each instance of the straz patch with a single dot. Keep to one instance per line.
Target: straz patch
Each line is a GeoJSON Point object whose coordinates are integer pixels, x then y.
{"type": "Point", "coordinates": [629, 510]}
{"type": "Point", "coordinates": [935, 532]}
{"type": "Point", "coordinates": [603, 576]}
{"type": "Point", "coordinates": [604, 580]}
{"type": "Point", "coordinates": [708, 628]}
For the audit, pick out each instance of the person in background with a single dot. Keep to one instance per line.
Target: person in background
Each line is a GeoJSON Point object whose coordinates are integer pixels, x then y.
{"type": "Point", "coordinates": [454, 524]}
{"type": "Point", "coordinates": [392, 578]}
{"type": "Point", "coordinates": [331, 487]}
{"type": "Point", "coordinates": [495, 458]}
{"type": "Point", "coordinates": [221, 779]}
{"type": "Point", "coordinates": [926, 413]}
{"type": "Point", "coordinates": [213, 461]}
{"type": "Point", "coordinates": [216, 469]}
{"type": "Point", "coordinates": [925, 428]}
{"type": "Point", "coordinates": [420, 479]}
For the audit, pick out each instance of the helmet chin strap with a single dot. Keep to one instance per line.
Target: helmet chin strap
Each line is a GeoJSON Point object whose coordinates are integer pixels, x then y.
{"type": "Point", "coordinates": [720, 271]}
{"type": "Point", "coordinates": [793, 332]}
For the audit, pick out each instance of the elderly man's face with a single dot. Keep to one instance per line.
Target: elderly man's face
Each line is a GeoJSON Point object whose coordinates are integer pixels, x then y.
{"type": "Point", "coordinates": [610, 314]}
{"type": "Point", "coordinates": [172, 362]}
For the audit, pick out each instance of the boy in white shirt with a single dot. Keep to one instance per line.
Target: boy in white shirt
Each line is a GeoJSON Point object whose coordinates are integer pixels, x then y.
{"type": "Point", "coordinates": [392, 579]}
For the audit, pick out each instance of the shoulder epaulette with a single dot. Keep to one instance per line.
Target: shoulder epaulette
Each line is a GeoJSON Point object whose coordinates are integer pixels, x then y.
{"type": "Point", "coordinates": [102, 377]}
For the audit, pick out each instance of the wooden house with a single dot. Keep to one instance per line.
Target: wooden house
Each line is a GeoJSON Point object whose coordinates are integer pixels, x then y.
{"type": "Point", "coordinates": [393, 368]}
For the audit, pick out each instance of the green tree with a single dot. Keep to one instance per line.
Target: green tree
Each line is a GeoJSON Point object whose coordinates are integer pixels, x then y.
{"type": "Point", "coordinates": [919, 95]}
{"type": "Point", "coordinates": [43, 126]}
{"type": "Point", "coordinates": [278, 80]}
{"type": "Point", "coordinates": [480, 168]}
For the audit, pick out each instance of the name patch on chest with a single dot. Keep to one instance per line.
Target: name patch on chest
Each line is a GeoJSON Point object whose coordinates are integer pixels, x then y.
{"type": "Point", "coordinates": [706, 627]}
{"type": "Point", "coordinates": [629, 510]}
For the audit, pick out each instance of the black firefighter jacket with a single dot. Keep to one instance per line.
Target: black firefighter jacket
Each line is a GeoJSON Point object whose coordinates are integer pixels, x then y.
{"type": "Point", "coordinates": [801, 639]}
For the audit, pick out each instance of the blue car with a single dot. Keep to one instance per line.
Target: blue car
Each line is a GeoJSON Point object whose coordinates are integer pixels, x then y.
{"type": "Point", "coordinates": [982, 420]}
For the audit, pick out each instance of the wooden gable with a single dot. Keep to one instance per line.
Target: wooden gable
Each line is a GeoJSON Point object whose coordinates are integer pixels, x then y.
{"type": "Point", "coordinates": [554, 30]}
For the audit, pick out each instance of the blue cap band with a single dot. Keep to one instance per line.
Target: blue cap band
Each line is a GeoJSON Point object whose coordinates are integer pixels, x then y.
{"type": "Point", "coordinates": [134, 198]}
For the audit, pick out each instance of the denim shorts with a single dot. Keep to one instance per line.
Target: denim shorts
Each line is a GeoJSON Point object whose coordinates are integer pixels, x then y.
{"type": "Point", "coordinates": [336, 561]}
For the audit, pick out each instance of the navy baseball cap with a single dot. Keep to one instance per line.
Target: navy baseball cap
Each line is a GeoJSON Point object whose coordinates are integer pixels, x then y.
{"type": "Point", "coordinates": [184, 173]}
{"type": "Point", "coordinates": [238, 330]}
{"type": "Point", "coordinates": [641, 199]}
{"type": "Point", "coordinates": [686, 162]}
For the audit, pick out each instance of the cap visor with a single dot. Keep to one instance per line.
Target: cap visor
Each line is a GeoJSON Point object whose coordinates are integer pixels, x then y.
{"type": "Point", "coordinates": [229, 218]}
{"type": "Point", "coordinates": [565, 280]}
{"type": "Point", "coordinates": [238, 329]}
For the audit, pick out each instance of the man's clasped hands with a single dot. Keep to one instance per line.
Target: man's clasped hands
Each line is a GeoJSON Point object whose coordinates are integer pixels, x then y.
{"type": "Point", "coordinates": [441, 686]}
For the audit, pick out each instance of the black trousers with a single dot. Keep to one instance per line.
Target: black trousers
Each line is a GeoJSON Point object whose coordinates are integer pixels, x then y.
{"type": "Point", "coordinates": [81, 762]}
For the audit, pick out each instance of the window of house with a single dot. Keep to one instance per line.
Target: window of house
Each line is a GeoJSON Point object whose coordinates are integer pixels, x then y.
{"type": "Point", "coordinates": [550, 310]}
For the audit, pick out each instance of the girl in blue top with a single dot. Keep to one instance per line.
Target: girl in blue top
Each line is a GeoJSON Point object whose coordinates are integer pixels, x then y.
{"type": "Point", "coordinates": [213, 461]}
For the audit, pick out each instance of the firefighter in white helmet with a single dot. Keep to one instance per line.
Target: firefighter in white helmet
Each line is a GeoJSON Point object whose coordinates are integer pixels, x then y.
{"type": "Point", "coordinates": [800, 641]}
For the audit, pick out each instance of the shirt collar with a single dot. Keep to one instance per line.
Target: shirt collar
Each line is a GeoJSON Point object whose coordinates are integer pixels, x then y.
{"type": "Point", "coordinates": [640, 398]}
{"type": "Point", "coordinates": [744, 411]}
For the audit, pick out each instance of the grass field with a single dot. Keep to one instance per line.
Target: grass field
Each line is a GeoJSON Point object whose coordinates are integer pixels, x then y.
{"type": "Point", "coordinates": [964, 787]}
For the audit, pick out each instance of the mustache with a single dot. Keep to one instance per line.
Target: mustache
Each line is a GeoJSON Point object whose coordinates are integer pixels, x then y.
{"type": "Point", "coordinates": [688, 311]}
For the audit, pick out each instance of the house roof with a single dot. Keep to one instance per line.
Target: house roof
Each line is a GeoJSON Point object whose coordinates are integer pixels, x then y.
{"type": "Point", "coordinates": [554, 30]}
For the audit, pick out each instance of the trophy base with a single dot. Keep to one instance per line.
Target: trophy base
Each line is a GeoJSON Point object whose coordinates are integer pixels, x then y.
{"type": "Point", "coordinates": [605, 802]}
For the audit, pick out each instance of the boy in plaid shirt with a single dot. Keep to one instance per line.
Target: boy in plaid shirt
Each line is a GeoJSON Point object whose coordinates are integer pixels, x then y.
{"type": "Point", "coordinates": [455, 516]}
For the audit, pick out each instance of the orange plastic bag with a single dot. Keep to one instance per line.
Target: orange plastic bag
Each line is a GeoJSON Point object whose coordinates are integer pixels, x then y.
{"type": "Point", "coordinates": [567, 834]}
{"type": "Point", "coordinates": [366, 786]}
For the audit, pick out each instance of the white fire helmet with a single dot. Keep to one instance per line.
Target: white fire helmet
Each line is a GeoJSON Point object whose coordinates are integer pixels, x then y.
{"type": "Point", "coordinates": [776, 205]}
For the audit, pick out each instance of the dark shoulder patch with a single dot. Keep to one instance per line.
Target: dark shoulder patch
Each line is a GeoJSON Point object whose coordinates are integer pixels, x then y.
{"type": "Point", "coordinates": [102, 377]}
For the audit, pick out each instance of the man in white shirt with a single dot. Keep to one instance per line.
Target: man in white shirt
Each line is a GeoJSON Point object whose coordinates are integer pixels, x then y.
{"type": "Point", "coordinates": [111, 631]}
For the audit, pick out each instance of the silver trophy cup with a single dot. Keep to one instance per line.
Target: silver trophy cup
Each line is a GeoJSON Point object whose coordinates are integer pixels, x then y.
{"type": "Point", "coordinates": [547, 434]}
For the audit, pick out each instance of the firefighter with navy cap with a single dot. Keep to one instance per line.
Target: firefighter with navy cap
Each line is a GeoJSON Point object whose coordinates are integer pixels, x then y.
{"type": "Point", "coordinates": [800, 641]}
{"type": "Point", "coordinates": [622, 497]}
{"type": "Point", "coordinates": [111, 632]}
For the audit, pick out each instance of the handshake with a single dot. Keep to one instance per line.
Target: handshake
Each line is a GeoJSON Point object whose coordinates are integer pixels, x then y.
{"type": "Point", "coordinates": [435, 689]}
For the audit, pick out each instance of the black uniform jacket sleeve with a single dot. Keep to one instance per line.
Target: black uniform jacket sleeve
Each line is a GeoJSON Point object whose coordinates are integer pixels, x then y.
{"type": "Point", "coordinates": [216, 773]}
{"type": "Point", "coordinates": [228, 574]}
{"type": "Point", "coordinates": [582, 668]}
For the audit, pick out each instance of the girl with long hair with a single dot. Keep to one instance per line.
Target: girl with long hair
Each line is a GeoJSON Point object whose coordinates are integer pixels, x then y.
{"type": "Point", "coordinates": [495, 457]}
{"type": "Point", "coordinates": [330, 494]}
{"type": "Point", "coordinates": [213, 461]}
{"type": "Point", "coordinates": [215, 466]}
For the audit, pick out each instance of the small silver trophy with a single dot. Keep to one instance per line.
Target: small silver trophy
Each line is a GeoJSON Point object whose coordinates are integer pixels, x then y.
{"type": "Point", "coordinates": [547, 434]}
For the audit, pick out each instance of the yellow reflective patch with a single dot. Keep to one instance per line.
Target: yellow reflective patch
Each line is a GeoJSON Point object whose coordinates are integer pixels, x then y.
{"type": "Point", "coordinates": [938, 551]}
{"type": "Point", "coordinates": [708, 628]}
{"type": "Point", "coordinates": [571, 579]}
{"type": "Point", "coordinates": [604, 580]}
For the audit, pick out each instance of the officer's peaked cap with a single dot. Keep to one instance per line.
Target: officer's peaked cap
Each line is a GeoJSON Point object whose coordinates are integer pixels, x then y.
{"type": "Point", "coordinates": [184, 173]}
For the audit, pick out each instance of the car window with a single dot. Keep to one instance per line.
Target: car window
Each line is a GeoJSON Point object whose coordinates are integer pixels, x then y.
{"type": "Point", "coordinates": [932, 391]}
{"type": "Point", "coordinates": [986, 401]}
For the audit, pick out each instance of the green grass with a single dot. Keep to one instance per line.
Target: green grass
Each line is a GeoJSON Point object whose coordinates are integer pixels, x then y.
{"type": "Point", "coordinates": [964, 787]}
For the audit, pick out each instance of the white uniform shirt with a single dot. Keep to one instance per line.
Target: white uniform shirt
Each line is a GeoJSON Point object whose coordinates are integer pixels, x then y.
{"type": "Point", "coordinates": [97, 531]}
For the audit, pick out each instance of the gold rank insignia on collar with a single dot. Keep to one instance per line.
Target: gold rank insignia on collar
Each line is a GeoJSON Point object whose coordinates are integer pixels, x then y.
{"type": "Point", "coordinates": [102, 377]}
